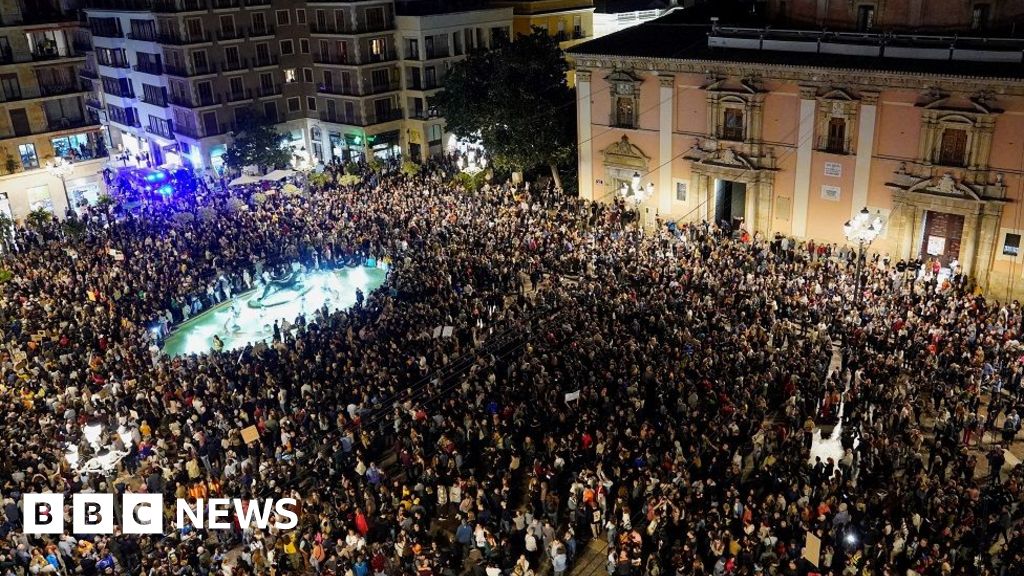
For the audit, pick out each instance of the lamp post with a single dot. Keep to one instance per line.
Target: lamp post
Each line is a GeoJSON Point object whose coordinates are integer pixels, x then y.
{"type": "Point", "coordinates": [862, 229]}
{"type": "Point", "coordinates": [636, 192]}
{"type": "Point", "coordinates": [61, 168]}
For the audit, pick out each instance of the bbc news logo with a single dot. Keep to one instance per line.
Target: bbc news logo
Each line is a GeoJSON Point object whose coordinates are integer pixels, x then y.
{"type": "Point", "coordinates": [144, 513]}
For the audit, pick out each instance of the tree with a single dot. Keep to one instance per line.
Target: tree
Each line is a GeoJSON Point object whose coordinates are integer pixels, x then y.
{"type": "Point", "coordinates": [39, 217]}
{"type": "Point", "coordinates": [256, 143]}
{"type": "Point", "coordinates": [515, 98]}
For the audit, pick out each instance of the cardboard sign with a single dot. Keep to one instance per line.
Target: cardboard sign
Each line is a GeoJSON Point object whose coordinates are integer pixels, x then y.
{"type": "Point", "coordinates": [571, 396]}
{"type": "Point", "coordinates": [812, 549]}
{"type": "Point", "coordinates": [250, 434]}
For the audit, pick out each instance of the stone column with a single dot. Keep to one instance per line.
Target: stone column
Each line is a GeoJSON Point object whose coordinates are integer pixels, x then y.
{"type": "Point", "coordinates": [583, 129]}
{"type": "Point", "coordinates": [765, 191]}
{"type": "Point", "coordinates": [969, 244]}
{"type": "Point", "coordinates": [865, 147]}
{"type": "Point", "coordinates": [666, 123]}
{"type": "Point", "coordinates": [988, 233]}
{"type": "Point", "coordinates": [915, 240]}
{"type": "Point", "coordinates": [804, 152]}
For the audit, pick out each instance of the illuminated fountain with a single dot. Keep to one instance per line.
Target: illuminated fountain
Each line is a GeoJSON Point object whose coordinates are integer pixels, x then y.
{"type": "Point", "coordinates": [250, 317]}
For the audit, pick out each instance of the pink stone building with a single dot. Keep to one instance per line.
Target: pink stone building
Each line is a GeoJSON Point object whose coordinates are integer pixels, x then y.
{"type": "Point", "coordinates": [839, 105]}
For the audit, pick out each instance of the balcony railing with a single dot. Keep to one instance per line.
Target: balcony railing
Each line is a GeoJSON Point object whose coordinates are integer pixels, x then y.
{"type": "Point", "coordinates": [261, 31]}
{"type": "Point", "coordinates": [62, 89]}
{"type": "Point", "coordinates": [158, 102]}
{"type": "Point", "coordinates": [106, 32]}
{"type": "Point", "coordinates": [337, 90]}
{"type": "Point", "coordinates": [119, 93]}
{"type": "Point", "coordinates": [350, 29]}
{"type": "Point", "coordinates": [338, 118]}
{"type": "Point", "coordinates": [171, 6]}
{"type": "Point", "coordinates": [52, 125]}
{"type": "Point", "coordinates": [238, 96]}
{"type": "Point", "coordinates": [89, 73]}
{"type": "Point", "coordinates": [233, 34]}
{"type": "Point", "coordinates": [257, 2]}
{"type": "Point", "coordinates": [379, 88]}
{"type": "Point", "coordinates": [197, 101]}
{"type": "Point", "coordinates": [149, 68]}
{"type": "Point", "coordinates": [231, 66]}
{"type": "Point", "coordinates": [112, 63]}
{"type": "Point", "coordinates": [43, 55]}
{"type": "Point", "coordinates": [417, 84]}
{"type": "Point", "coordinates": [261, 62]}
{"type": "Point", "coordinates": [225, 4]}
{"type": "Point", "coordinates": [37, 16]}
{"type": "Point", "coordinates": [388, 116]}
{"type": "Point", "coordinates": [189, 71]}
{"type": "Point", "coordinates": [437, 53]}
{"type": "Point", "coordinates": [340, 59]}
{"type": "Point", "coordinates": [142, 36]}
{"type": "Point", "coordinates": [93, 103]}
{"type": "Point", "coordinates": [264, 91]}
{"type": "Point", "coordinates": [178, 39]}
{"type": "Point", "coordinates": [202, 131]}
{"type": "Point", "coordinates": [43, 91]}
{"type": "Point", "coordinates": [163, 132]}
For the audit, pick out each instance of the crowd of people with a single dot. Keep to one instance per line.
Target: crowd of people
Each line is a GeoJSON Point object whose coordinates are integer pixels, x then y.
{"type": "Point", "coordinates": [651, 396]}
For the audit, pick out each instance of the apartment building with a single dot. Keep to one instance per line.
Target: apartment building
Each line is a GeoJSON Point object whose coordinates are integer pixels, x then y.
{"type": "Point", "coordinates": [570, 21]}
{"type": "Point", "coordinates": [176, 76]}
{"type": "Point", "coordinates": [42, 108]}
{"type": "Point", "coordinates": [431, 41]}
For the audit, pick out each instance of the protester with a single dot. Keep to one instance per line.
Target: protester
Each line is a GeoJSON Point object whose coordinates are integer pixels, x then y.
{"type": "Point", "coordinates": [659, 392]}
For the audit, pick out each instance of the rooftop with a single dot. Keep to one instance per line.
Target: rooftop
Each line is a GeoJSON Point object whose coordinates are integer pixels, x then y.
{"type": "Point", "coordinates": [737, 36]}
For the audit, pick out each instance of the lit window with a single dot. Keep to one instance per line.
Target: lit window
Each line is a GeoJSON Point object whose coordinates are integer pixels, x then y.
{"type": "Point", "coordinates": [28, 156]}
{"type": "Point", "coordinates": [1011, 245]}
{"type": "Point", "coordinates": [289, 75]}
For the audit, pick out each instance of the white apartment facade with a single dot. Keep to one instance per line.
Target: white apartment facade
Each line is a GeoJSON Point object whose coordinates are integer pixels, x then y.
{"type": "Point", "coordinates": [431, 44]}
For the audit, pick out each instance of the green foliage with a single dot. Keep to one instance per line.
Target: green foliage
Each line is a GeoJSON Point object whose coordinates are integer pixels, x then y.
{"type": "Point", "coordinates": [259, 198]}
{"type": "Point", "coordinates": [515, 98]}
{"type": "Point", "coordinates": [256, 143]}
{"type": "Point", "coordinates": [73, 228]}
{"type": "Point", "coordinates": [319, 179]}
{"type": "Point", "coordinates": [10, 163]}
{"type": "Point", "coordinates": [105, 202]}
{"type": "Point", "coordinates": [6, 232]}
{"type": "Point", "coordinates": [5, 275]}
{"type": "Point", "coordinates": [470, 182]}
{"type": "Point", "coordinates": [351, 168]}
{"type": "Point", "coordinates": [350, 180]}
{"type": "Point", "coordinates": [410, 169]}
{"type": "Point", "coordinates": [375, 165]}
{"type": "Point", "coordinates": [39, 217]}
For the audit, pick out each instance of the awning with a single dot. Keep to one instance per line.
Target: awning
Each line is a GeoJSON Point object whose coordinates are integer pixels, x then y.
{"type": "Point", "coordinates": [278, 175]}
{"type": "Point", "coordinates": [244, 180]}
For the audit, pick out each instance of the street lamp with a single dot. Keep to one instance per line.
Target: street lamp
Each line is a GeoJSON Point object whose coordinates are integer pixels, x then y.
{"type": "Point", "coordinates": [862, 229]}
{"type": "Point", "coordinates": [61, 168]}
{"type": "Point", "coordinates": [635, 191]}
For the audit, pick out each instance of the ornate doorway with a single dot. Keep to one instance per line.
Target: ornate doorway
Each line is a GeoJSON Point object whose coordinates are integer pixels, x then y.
{"type": "Point", "coordinates": [942, 234]}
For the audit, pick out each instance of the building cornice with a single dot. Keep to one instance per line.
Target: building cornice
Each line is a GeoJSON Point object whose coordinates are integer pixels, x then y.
{"type": "Point", "coordinates": [862, 79]}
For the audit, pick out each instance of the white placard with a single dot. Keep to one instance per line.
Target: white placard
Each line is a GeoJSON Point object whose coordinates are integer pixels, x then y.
{"type": "Point", "coordinates": [936, 245]}
{"type": "Point", "coordinates": [833, 169]}
{"type": "Point", "coordinates": [569, 397]}
{"type": "Point", "coordinates": [830, 193]}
